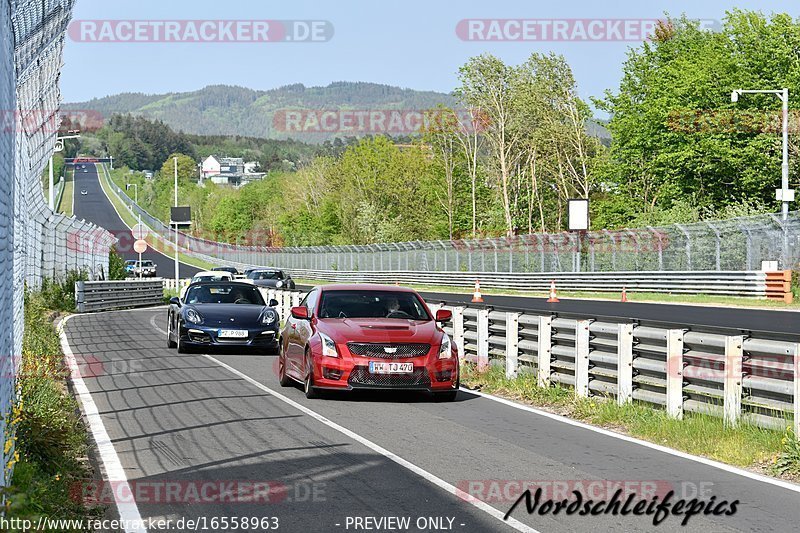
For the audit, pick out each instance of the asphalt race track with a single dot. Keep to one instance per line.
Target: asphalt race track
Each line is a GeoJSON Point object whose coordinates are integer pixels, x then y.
{"type": "Point", "coordinates": [766, 320]}
{"type": "Point", "coordinates": [97, 208]}
{"type": "Point", "coordinates": [187, 419]}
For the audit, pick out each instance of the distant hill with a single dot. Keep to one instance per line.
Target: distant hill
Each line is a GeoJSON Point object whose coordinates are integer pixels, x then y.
{"type": "Point", "coordinates": [311, 114]}
{"type": "Point", "coordinates": [231, 110]}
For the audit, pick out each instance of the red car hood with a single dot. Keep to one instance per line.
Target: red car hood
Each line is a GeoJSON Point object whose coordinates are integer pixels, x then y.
{"type": "Point", "coordinates": [379, 330]}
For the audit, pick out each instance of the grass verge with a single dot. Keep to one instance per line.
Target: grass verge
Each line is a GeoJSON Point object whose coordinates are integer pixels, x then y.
{"type": "Point", "coordinates": [767, 451]}
{"type": "Point", "coordinates": [65, 206]}
{"type": "Point", "coordinates": [51, 440]}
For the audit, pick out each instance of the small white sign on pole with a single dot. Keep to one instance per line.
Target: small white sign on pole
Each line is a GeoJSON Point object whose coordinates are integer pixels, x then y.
{"type": "Point", "coordinates": [578, 209]}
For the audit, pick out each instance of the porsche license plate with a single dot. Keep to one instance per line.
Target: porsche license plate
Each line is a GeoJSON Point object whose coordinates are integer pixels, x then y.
{"type": "Point", "coordinates": [376, 367]}
{"type": "Point", "coordinates": [233, 334]}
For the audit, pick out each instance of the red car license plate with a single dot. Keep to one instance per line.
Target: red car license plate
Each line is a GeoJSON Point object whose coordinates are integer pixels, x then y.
{"type": "Point", "coordinates": [376, 367]}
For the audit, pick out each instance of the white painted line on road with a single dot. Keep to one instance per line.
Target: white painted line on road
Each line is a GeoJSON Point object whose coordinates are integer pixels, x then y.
{"type": "Point", "coordinates": [114, 472]}
{"type": "Point", "coordinates": [683, 455]}
{"type": "Point", "coordinates": [439, 482]}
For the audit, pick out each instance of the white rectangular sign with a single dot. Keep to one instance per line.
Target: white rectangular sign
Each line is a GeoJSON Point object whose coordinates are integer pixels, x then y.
{"type": "Point", "coordinates": [578, 214]}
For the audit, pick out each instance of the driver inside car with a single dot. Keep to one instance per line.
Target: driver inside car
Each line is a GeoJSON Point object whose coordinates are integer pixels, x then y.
{"type": "Point", "coordinates": [393, 308]}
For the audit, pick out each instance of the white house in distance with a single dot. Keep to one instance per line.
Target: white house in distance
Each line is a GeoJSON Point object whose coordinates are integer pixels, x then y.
{"type": "Point", "coordinates": [229, 170]}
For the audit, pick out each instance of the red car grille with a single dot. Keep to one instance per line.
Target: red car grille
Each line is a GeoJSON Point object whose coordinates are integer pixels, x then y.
{"type": "Point", "coordinates": [388, 350]}
{"type": "Point", "coordinates": [360, 376]}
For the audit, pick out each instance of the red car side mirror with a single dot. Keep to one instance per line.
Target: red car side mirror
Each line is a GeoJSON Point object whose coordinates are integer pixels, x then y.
{"type": "Point", "coordinates": [300, 313]}
{"type": "Point", "coordinates": [444, 315]}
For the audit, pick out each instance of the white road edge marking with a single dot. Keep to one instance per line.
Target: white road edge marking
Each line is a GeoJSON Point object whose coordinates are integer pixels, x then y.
{"type": "Point", "coordinates": [483, 506]}
{"type": "Point", "coordinates": [114, 472]}
{"type": "Point", "coordinates": [683, 455]}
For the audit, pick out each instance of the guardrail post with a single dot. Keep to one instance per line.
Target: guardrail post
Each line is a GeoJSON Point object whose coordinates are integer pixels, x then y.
{"type": "Point", "coordinates": [544, 352]}
{"type": "Point", "coordinates": [512, 344]}
{"type": "Point", "coordinates": [796, 365]}
{"type": "Point", "coordinates": [286, 303]}
{"type": "Point", "coordinates": [624, 363]}
{"type": "Point", "coordinates": [295, 299]}
{"type": "Point", "coordinates": [271, 295]}
{"type": "Point", "coordinates": [458, 330]}
{"type": "Point", "coordinates": [79, 297]}
{"type": "Point", "coordinates": [675, 373]}
{"type": "Point", "coordinates": [732, 384]}
{"type": "Point", "coordinates": [582, 358]}
{"type": "Point", "coordinates": [483, 339]}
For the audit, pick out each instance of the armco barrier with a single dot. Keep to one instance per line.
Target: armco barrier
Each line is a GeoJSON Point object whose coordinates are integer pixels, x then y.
{"type": "Point", "coordinates": [106, 295]}
{"type": "Point", "coordinates": [738, 375]}
{"type": "Point", "coordinates": [747, 283]}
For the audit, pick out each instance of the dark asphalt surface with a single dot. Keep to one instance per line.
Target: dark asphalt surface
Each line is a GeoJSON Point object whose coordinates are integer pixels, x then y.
{"type": "Point", "coordinates": [185, 418]}
{"type": "Point", "coordinates": [97, 208]}
{"type": "Point", "coordinates": [781, 322]}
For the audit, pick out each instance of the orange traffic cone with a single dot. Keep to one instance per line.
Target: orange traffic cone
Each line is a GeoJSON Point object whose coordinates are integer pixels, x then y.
{"type": "Point", "coordinates": [476, 296]}
{"type": "Point", "coordinates": [624, 294]}
{"type": "Point", "coordinates": [553, 297]}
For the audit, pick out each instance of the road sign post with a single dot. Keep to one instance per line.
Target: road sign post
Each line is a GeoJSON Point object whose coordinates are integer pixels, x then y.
{"type": "Point", "coordinates": [140, 247]}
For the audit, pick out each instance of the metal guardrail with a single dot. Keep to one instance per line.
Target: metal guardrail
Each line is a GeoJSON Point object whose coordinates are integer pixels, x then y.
{"type": "Point", "coordinates": [740, 376]}
{"type": "Point", "coordinates": [745, 283]}
{"type": "Point", "coordinates": [107, 295]}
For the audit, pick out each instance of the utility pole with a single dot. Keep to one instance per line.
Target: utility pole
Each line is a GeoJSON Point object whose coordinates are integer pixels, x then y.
{"type": "Point", "coordinates": [177, 270]}
{"type": "Point", "coordinates": [785, 195]}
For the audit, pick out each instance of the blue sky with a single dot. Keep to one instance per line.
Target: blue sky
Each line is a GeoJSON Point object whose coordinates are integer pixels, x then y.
{"type": "Point", "coordinates": [410, 44]}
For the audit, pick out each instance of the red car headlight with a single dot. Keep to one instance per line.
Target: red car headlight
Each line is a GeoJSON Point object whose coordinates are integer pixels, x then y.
{"type": "Point", "coordinates": [328, 346]}
{"type": "Point", "coordinates": [445, 351]}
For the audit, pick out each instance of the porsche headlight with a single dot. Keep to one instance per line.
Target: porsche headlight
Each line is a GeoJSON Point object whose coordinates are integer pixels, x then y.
{"type": "Point", "coordinates": [193, 316]}
{"type": "Point", "coordinates": [445, 350]}
{"type": "Point", "coordinates": [328, 346]}
{"type": "Point", "coordinates": [268, 317]}
{"type": "Point", "coordinates": [279, 284]}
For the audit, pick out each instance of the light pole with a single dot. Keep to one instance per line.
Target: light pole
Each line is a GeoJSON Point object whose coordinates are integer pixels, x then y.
{"type": "Point", "coordinates": [784, 194]}
{"type": "Point", "coordinates": [135, 191]}
{"type": "Point", "coordinates": [177, 271]}
{"type": "Point", "coordinates": [72, 134]}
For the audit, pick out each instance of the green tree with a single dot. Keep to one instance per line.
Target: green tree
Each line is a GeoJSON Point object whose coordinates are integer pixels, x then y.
{"type": "Point", "coordinates": [676, 133]}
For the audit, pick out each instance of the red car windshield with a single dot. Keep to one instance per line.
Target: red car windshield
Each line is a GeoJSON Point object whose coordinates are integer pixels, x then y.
{"type": "Point", "coordinates": [372, 304]}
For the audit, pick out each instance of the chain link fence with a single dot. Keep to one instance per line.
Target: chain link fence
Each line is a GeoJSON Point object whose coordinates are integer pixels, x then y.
{"type": "Point", "coordinates": [35, 243]}
{"type": "Point", "coordinates": [736, 244]}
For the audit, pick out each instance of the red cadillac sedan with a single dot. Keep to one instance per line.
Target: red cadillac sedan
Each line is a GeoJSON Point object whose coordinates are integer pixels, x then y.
{"type": "Point", "coordinates": [349, 337]}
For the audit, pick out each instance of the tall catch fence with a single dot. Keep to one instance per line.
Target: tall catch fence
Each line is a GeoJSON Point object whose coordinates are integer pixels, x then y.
{"type": "Point", "coordinates": [35, 243]}
{"type": "Point", "coordinates": [736, 244]}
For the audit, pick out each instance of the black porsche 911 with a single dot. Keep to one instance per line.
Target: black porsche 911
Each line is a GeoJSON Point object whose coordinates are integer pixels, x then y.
{"type": "Point", "coordinates": [222, 314]}
{"type": "Point", "coordinates": [272, 278]}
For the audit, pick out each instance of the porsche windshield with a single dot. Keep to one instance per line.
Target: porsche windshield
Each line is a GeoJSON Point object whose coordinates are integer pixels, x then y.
{"type": "Point", "coordinates": [223, 294]}
{"type": "Point", "coordinates": [372, 304]}
{"type": "Point", "coordinates": [266, 274]}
